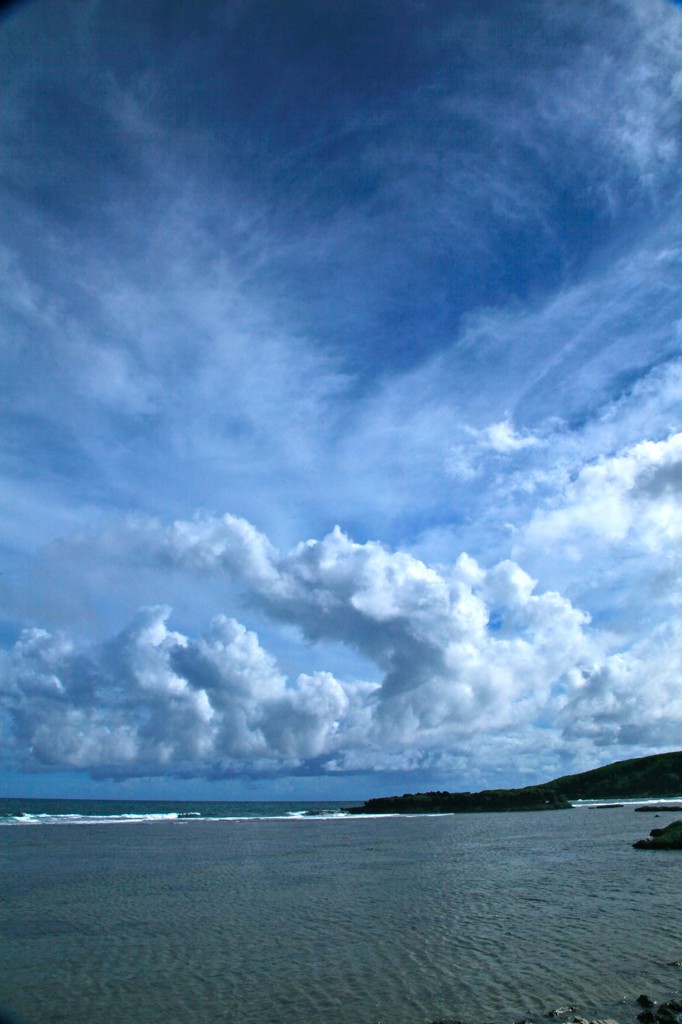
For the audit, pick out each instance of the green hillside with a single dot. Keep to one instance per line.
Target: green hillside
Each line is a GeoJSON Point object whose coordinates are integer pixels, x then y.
{"type": "Point", "coordinates": [659, 775]}
{"type": "Point", "coordinates": [656, 775]}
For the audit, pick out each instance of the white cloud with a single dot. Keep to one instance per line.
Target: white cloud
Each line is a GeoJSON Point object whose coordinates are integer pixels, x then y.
{"type": "Point", "coordinates": [456, 651]}
{"type": "Point", "coordinates": [227, 543]}
{"type": "Point", "coordinates": [502, 437]}
{"type": "Point", "coordinates": [464, 657]}
{"type": "Point", "coordinates": [630, 503]}
{"type": "Point", "coordinates": [632, 698]}
{"type": "Point", "coordinates": [153, 700]}
{"type": "Point", "coordinates": [467, 461]}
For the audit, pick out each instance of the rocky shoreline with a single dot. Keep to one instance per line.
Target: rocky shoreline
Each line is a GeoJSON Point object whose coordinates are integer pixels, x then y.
{"type": "Point", "coordinates": [644, 1009]}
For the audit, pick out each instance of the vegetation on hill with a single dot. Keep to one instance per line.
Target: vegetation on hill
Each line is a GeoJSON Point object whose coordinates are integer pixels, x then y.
{"type": "Point", "coordinates": [532, 798]}
{"type": "Point", "coordinates": [656, 775]}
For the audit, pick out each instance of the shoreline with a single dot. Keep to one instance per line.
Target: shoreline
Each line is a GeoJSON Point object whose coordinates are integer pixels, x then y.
{"type": "Point", "coordinates": [643, 1009]}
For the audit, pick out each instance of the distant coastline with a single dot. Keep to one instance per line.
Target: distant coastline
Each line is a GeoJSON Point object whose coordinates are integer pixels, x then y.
{"type": "Point", "coordinates": [656, 776]}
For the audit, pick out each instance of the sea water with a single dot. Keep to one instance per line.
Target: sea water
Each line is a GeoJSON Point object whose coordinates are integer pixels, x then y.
{"type": "Point", "coordinates": [270, 915]}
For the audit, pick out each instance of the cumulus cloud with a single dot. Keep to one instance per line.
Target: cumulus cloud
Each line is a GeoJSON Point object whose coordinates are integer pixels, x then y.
{"type": "Point", "coordinates": [228, 543]}
{"type": "Point", "coordinates": [633, 499]}
{"type": "Point", "coordinates": [152, 700]}
{"type": "Point", "coordinates": [611, 535]}
{"type": "Point", "coordinates": [632, 698]}
{"type": "Point", "coordinates": [456, 651]}
{"type": "Point", "coordinates": [463, 655]}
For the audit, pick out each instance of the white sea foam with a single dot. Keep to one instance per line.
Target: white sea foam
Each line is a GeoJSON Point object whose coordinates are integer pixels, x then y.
{"type": "Point", "coordinates": [85, 819]}
{"type": "Point", "coordinates": [330, 813]}
{"type": "Point", "coordinates": [182, 818]}
{"type": "Point", "coordinates": [674, 801]}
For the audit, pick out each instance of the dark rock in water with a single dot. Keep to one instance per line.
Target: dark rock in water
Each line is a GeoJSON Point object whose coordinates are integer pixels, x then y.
{"type": "Point", "coordinates": [668, 838]}
{"type": "Point", "coordinates": [659, 807]}
{"type": "Point", "coordinates": [670, 1011]}
{"type": "Point", "coordinates": [669, 1017]}
{"type": "Point", "coordinates": [667, 1013]}
{"type": "Point", "coordinates": [674, 963]}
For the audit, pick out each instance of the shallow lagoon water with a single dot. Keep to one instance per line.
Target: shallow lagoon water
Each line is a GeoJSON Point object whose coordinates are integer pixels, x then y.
{"type": "Point", "coordinates": [347, 920]}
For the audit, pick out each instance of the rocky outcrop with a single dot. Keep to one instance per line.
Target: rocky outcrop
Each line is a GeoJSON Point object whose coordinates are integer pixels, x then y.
{"type": "Point", "coordinates": [530, 798]}
{"type": "Point", "coordinates": [660, 807]}
{"type": "Point", "coordinates": [667, 838]}
{"type": "Point", "coordinates": [667, 1013]}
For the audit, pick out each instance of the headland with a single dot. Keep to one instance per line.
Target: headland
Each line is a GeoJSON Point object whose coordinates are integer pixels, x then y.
{"type": "Point", "coordinates": [658, 775]}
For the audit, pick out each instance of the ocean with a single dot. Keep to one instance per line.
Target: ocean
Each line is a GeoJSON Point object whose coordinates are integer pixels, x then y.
{"type": "Point", "coordinates": [225, 913]}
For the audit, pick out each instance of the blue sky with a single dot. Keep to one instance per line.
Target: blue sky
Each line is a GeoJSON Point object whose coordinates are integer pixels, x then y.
{"type": "Point", "coordinates": [341, 394]}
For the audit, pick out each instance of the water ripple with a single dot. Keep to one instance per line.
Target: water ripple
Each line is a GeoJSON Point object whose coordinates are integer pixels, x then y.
{"type": "Point", "coordinates": [352, 921]}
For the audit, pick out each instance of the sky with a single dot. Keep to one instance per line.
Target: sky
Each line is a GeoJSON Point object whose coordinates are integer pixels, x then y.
{"type": "Point", "coordinates": [341, 375]}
